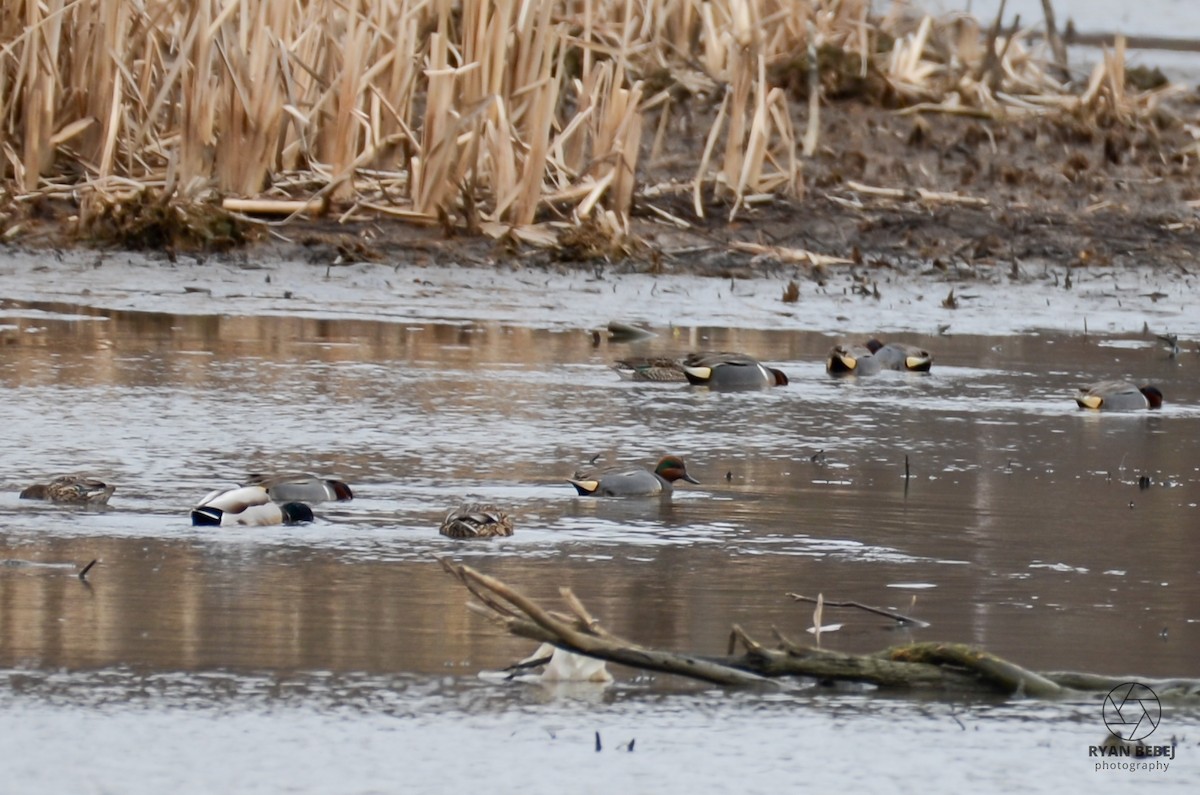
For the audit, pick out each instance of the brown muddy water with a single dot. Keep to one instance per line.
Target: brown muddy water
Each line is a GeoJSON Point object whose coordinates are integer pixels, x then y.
{"type": "Point", "coordinates": [337, 657]}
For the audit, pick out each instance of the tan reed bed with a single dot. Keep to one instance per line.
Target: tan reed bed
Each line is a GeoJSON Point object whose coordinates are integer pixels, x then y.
{"type": "Point", "coordinates": [490, 115]}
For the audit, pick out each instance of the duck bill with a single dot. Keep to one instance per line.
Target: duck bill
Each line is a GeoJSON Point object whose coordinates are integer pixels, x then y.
{"type": "Point", "coordinates": [841, 364]}
{"type": "Point", "coordinates": [690, 479]}
{"type": "Point", "coordinates": [918, 364]}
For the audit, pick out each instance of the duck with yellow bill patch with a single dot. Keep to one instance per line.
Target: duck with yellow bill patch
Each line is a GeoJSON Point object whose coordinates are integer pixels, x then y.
{"type": "Point", "coordinates": [634, 481]}
{"type": "Point", "coordinates": [724, 370]}
{"type": "Point", "coordinates": [1119, 396]}
{"type": "Point", "coordinates": [900, 356]}
{"type": "Point", "coordinates": [852, 360]}
{"type": "Point", "coordinates": [301, 487]}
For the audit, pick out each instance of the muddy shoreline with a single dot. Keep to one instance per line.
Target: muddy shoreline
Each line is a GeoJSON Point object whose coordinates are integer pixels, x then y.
{"type": "Point", "coordinates": [1031, 192]}
{"type": "Point", "coordinates": [1054, 221]}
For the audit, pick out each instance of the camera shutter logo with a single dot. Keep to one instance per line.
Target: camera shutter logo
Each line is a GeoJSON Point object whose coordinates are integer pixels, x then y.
{"type": "Point", "coordinates": [1132, 711]}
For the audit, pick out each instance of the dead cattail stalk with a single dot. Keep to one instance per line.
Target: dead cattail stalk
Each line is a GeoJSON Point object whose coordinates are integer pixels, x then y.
{"type": "Point", "coordinates": [468, 109]}
{"type": "Point", "coordinates": [813, 130]}
{"type": "Point", "coordinates": [1056, 43]}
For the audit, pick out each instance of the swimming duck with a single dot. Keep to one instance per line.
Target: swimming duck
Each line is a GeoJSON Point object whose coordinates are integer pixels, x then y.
{"type": "Point", "coordinates": [71, 488]}
{"type": "Point", "coordinates": [725, 370]}
{"type": "Point", "coordinates": [899, 356]}
{"type": "Point", "coordinates": [852, 360]}
{"type": "Point", "coordinates": [633, 481]}
{"type": "Point", "coordinates": [248, 505]}
{"type": "Point", "coordinates": [650, 368]}
{"type": "Point", "coordinates": [301, 487]}
{"type": "Point", "coordinates": [476, 521]}
{"type": "Point", "coordinates": [1119, 396]}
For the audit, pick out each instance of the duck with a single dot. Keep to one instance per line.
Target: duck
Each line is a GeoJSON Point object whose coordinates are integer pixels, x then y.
{"type": "Point", "coordinates": [248, 505]}
{"type": "Point", "coordinates": [301, 487]}
{"type": "Point", "coordinates": [634, 481]}
{"type": "Point", "coordinates": [724, 370]}
{"type": "Point", "coordinates": [475, 520]}
{"type": "Point", "coordinates": [560, 665]}
{"type": "Point", "coordinates": [650, 368]}
{"type": "Point", "coordinates": [1119, 396]}
{"type": "Point", "coordinates": [899, 356]}
{"type": "Point", "coordinates": [852, 360]}
{"type": "Point", "coordinates": [71, 488]}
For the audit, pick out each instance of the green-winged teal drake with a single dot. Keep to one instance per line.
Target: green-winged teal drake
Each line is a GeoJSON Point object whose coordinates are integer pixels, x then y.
{"type": "Point", "coordinates": [1119, 396]}
{"type": "Point", "coordinates": [724, 370]}
{"type": "Point", "coordinates": [633, 481]}
{"type": "Point", "coordinates": [71, 488]}
{"type": "Point", "coordinates": [899, 356]}
{"type": "Point", "coordinates": [301, 487]}
{"type": "Point", "coordinates": [476, 521]}
{"type": "Point", "coordinates": [852, 360]}
{"type": "Point", "coordinates": [248, 505]}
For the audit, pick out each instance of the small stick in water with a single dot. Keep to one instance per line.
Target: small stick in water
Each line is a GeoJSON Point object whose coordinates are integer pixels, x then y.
{"type": "Point", "coordinates": [87, 568]}
{"type": "Point", "coordinates": [820, 599]}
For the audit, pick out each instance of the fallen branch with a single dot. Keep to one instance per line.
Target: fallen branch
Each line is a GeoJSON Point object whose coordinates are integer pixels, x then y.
{"type": "Point", "coordinates": [581, 634]}
{"type": "Point", "coordinates": [903, 619]}
{"type": "Point", "coordinates": [285, 207]}
{"type": "Point", "coordinates": [942, 666]}
{"type": "Point", "coordinates": [902, 194]}
{"type": "Point", "coordinates": [789, 255]}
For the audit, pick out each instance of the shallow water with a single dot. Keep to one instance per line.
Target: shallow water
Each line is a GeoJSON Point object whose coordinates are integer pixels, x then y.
{"type": "Point", "coordinates": [1021, 527]}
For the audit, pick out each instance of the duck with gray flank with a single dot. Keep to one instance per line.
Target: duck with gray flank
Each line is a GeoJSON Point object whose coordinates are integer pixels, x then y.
{"type": "Point", "coordinates": [724, 370]}
{"type": "Point", "coordinates": [78, 489]}
{"type": "Point", "coordinates": [474, 520]}
{"type": "Point", "coordinates": [852, 360]}
{"type": "Point", "coordinates": [634, 481]}
{"type": "Point", "coordinates": [1119, 396]}
{"type": "Point", "coordinates": [301, 487]}
{"type": "Point", "coordinates": [900, 356]}
{"type": "Point", "coordinates": [249, 506]}
{"type": "Point", "coordinates": [650, 368]}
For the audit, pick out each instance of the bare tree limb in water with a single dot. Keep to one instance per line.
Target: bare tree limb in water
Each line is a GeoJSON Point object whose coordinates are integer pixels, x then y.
{"type": "Point", "coordinates": [953, 667]}
{"type": "Point", "coordinates": [900, 617]}
{"type": "Point", "coordinates": [580, 632]}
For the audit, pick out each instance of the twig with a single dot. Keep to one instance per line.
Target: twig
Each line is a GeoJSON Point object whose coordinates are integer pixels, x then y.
{"type": "Point", "coordinates": [951, 198]}
{"type": "Point", "coordinates": [497, 607]}
{"type": "Point", "coordinates": [997, 75]}
{"type": "Point", "coordinates": [903, 619]}
{"type": "Point", "coordinates": [989, 56]}
{"type": "Point", "coordinates": [1056, 43]}
{"type": "Point", "coordinates": [752, 646]}
{"type": "Point", "coordinates": [87, 568]}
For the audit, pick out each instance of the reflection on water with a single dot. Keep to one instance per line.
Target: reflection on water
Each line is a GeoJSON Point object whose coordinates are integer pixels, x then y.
{"type": "Point", "coordinates": [1023, 515]}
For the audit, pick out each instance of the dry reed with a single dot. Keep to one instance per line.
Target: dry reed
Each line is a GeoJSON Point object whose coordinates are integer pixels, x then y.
{"type": "Point", "coordinates": [494, 114]}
